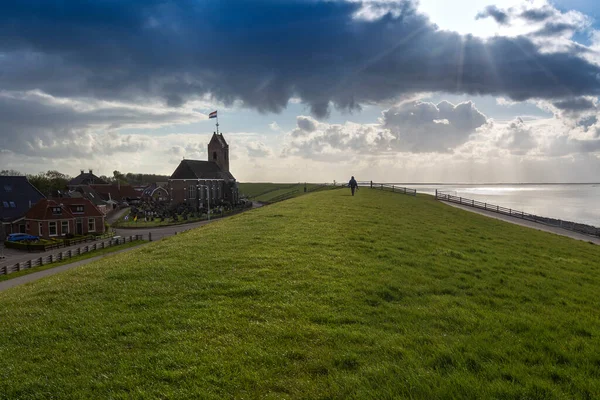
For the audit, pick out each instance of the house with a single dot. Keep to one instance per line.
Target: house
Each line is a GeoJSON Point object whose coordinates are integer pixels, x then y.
{"type": "Point", "coordinates": [117, 192]}
{"type": "Point", "coordinates": [195, 182]}
{"type": "Point", "coordinates": [156, 192]}
{"type": "Point", "coordinates": [85, 191]}
{"type": "Point", "coordinates": [86, 178]}
{"type": "Point", "coordinates": [51, 218]}
{"type": "Point", "coordinates": [17, 195]}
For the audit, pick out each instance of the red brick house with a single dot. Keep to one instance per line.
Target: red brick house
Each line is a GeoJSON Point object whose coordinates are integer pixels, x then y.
{"type": "Point", "coordinates": [56, 218]}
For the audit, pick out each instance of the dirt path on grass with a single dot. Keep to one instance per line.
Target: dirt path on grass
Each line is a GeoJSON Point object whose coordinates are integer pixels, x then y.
{"type": "Point", "coordinates": [528, 224]}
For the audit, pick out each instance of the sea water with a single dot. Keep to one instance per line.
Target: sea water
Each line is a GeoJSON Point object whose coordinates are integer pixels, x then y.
{"type": "Point", "coordinates": [569, 202]}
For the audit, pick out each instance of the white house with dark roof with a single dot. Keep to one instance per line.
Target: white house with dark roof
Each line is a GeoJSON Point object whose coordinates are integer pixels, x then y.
{"type": "Point", "coordinates": [190, 181]}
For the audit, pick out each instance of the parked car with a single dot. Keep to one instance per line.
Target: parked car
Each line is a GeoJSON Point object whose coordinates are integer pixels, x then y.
{"type": "Point", "coordinates": [21, 237]}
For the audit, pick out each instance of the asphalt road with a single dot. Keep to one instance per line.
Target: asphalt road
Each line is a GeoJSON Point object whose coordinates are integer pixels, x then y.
{"type": "Point", "coordinates": [528, 224]}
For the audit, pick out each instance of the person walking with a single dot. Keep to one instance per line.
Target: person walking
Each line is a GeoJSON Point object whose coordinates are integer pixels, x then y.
{"type": "Point", "coordinates": [353, 185]}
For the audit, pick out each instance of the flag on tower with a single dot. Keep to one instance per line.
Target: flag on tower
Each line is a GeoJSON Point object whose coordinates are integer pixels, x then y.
{"type": "Point", "coordinates": [212, 114]}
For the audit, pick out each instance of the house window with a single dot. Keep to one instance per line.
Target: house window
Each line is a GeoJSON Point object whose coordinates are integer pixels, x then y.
{"type": "Point", "coordinates": [5, 204]}
{"type": "Point", "coordinates": [79, 209]}
{"type": "Point", "coordinates": [91, 225]}
{"type": "Point", "coordinates": [7, 188]}
{"type": "Point", "coordinates": [12, 204]}
{"type": "Point", "coordinates": [40, 226]}
{"type": "Point", "coordinates": [192, 193]}
{"type": "Point", "coordinates": [52, 228]}
{"type": "Point", "coordinates": [64, 229]}
{"type": "Point", "coordinates": [56, 211]}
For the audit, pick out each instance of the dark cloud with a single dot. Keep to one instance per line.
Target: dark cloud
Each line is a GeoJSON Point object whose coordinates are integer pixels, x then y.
{"type": "Point", "coordinates": [577, 104]}
{"type": "Point", "coordinates": [264, 52]}
{"type": "Point", "coordinates": [556, 29]}
{"type": "Point", "coordinates": [427, 127]}
{"type": "Point", "coordinates": [497, 14]}
{"type": "Point", "coordinates": [306, 124]}
{"type": "Point", "coordinates": [538, 14]}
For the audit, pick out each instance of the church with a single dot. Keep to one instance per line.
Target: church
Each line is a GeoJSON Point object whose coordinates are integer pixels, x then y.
{"type": "Point", "coordinates": [196, 182]}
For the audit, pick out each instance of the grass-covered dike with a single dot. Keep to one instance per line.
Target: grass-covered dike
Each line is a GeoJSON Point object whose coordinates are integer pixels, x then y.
{"type": "Point", "coordinates": [326, 295]}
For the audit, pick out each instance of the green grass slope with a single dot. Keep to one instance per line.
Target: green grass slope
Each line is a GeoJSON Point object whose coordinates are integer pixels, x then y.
{"type": "Point", "coordinates": [273, 192]}
{"type": "Point", "coordinates": [323, 296]}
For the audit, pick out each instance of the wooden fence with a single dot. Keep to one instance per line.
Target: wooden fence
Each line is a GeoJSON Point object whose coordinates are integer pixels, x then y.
{"type": "Point", "coordinates": [391, 187]}
{"type": "Point", "coordinates": [572, 226]}
{"type": "Point", "coordinates": [65, 255]}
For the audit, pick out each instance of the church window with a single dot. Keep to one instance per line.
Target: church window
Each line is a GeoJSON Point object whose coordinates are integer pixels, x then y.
{"type": "Point", "coordinates": [192, 192]}
{"type": "Point", "coordinates": [214, 155]}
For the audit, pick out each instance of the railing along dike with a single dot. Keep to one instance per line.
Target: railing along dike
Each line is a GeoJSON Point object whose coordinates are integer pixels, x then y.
{"type": "Point", "coordinates": [568, 225]}
{"type": "Point", "coordinates": [65, 255]}
{"type": "Point", "coordinates": [391, 187]}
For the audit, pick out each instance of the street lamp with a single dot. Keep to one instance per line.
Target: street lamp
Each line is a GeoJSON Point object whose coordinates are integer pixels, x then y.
{"type": "Point", "coordinates": [207, 198]}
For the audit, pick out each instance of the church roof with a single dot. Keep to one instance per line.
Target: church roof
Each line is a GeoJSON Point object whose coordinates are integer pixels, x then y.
{"type": "Point", "coordinates": [196, 169]}
{"type": "Point", "coordinates": [220, 139]}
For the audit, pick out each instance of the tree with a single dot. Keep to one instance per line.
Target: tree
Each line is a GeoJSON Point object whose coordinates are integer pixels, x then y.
{"type": "Point", "coordinates": [50, 182]}
{"type": "Point", "coordinates": [119, 177]}
{"type": "Point", "coordinates": [10, 172]}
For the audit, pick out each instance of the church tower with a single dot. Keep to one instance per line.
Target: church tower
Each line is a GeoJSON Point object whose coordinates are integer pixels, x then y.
{"type": "Point", "coordinates": [218, 151]}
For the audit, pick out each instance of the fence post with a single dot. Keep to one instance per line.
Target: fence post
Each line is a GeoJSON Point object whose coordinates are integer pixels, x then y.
{"type": "Point", "coordinates": [18, 268]}
{"type": "Point", "coordinates": [485, 206]}
{"type": "Point", "coordinates": [6, 272]}
{"type": "Point", "coordinates": [29, 263]}
{"type": "Point", "coordinates": [150, 236]}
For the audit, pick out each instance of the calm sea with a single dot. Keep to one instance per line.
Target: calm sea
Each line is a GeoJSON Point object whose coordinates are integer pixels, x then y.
{"type": "Point", "coordinates": [570, 202]}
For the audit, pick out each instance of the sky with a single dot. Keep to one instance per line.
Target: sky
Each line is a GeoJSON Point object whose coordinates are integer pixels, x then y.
{"type": "Point", "coordinates": [306, 90]}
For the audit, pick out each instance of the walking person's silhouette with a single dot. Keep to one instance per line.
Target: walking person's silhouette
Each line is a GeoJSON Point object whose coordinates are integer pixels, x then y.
{"type": "Point", "coordinates": [353, 185]}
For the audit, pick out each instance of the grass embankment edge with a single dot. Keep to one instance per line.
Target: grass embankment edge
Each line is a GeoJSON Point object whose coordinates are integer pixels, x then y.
{"type": "Point", "coordinates": [85, 256]}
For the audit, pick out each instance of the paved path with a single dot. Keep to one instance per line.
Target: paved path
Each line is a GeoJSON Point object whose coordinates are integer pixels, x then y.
{"type": "Point", "coordinates": [4, 285]}
{"type": "Point", "coordinates": [528, 224]}
{"type": "Point", "coordinates": [116, 215]}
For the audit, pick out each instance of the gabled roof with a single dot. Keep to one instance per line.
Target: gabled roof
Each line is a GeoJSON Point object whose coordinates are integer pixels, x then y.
{"type": "Point", "coordinates": [116, 192]}
{"type": "Point", "coordinates": [219, 139]}
{"type": "Point", "coordinates": [196, 169]}
{"type": "Point", "coordinates": [42, 210]}
{"type": "Point", "coordinates": [86, 178]}
{"type": "Point", "coordinates": [17, 191]}
{"type": "Point", "coordinates": [87, 192]}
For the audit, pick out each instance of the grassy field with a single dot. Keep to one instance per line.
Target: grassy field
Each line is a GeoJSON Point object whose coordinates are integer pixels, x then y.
{"type": "Point", "coordinates": [375, 296]}
{"type": "Point", "coordinates": [83, 256]}
{"type": "Point", "coordinates": [269, 192]}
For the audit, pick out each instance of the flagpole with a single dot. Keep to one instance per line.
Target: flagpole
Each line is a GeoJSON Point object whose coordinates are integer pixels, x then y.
{"type": "Point", "coordinates": [217, 123]}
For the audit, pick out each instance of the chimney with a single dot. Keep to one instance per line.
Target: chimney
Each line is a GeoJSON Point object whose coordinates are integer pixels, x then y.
{"type": "Point", "coordinates": [91, 171]}
{"type": "Point", "coordinates": [82, 171]}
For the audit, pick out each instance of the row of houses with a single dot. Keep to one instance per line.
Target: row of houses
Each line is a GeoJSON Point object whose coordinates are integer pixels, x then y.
{"type": "Point", "coordinates": [81, 208]}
